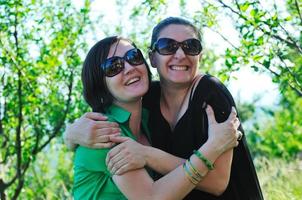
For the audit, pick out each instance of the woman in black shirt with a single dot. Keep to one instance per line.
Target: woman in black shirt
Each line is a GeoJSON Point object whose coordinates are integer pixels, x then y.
{"type": "Point", "coordinates": [178, 121]}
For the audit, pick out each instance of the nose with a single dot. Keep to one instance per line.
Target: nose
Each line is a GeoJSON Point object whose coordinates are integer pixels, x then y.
{"type": "Point", "coordinates": [128, 68]}
{"type": "Point", "coordinates": [179, 54]}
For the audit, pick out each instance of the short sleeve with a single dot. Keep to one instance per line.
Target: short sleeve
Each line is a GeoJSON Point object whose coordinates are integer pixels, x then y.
{"type": "Point", "coordinates": [220, 99]}
{"type": "Point", "coordinates": [92, 180]}
{"type": "Point", "coordinates": [91, 159]}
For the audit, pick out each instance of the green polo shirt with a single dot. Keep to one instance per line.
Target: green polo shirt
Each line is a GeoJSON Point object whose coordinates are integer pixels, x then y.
{"type": "Point", "coordinates": [92, 180]}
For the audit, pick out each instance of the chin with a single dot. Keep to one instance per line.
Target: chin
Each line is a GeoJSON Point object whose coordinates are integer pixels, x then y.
{"type": "Point", "coordinates": [182, 80]}
{"type": "Point", "coordinates": [138, 94]}
{"type": "Point", "coordinates": [141, 93]}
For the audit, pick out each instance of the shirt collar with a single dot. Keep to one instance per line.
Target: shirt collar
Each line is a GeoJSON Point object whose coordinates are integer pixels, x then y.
{"type": "Point", "coordinates": [118, 113]}
{"type": "Point", "coordinates": [121, 115]}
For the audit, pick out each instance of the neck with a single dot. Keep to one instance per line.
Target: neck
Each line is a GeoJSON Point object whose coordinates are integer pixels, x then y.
{"type": "Point", "coordinates": [171, 101]}
{"type": "Point", "coordinates": [135, 108]}
{"type": "Point", "coordinates": [173, 94]}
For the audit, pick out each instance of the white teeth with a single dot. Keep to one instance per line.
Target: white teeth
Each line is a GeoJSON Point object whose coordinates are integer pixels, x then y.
{"type": "Point", "coordinates": [179, 68]}
{"type": "Point", "coordinates": [133, 80]}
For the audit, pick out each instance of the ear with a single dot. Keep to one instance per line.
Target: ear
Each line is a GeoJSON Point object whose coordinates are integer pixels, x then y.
{"type": "Point", "coordinates": [152, 59]}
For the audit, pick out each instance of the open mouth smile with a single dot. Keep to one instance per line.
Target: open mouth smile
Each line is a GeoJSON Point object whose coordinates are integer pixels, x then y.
{"type": "Point", "coordinates": [179, 67]}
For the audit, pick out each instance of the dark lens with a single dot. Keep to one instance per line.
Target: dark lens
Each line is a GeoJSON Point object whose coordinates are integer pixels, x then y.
{"type": "Point", "coordinates": [166, 46]}
{"type": "Point", "coordinates": [134, 57]}
{"type": "Point", "coordinates": [113, 66]}
{"type": "Point", "coordinates": [191, 47]}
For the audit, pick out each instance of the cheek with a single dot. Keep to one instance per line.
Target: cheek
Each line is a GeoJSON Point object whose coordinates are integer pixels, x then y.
{"type": "Point", "coordinates": [144, 71]}
{"type": "Point", "coordinates": [195, 60]}
{"type": "Point", "coordinates": [110, 85]}
{"type": "Point", "coordinates": [158, 60]}
{"type": "Point", "coordinates": [153, 61]}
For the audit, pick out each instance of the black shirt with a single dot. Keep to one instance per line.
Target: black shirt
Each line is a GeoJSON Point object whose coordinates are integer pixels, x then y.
{"type": "Point", "coordinates": [191, 131]}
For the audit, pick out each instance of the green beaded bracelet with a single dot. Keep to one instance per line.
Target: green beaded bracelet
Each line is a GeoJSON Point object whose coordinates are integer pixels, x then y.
{"type": "Point", "coordinates": [208, 163]}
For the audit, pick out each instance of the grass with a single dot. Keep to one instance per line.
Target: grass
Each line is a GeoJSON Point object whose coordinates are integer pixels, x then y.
{"type": "Point", "coordinates": [280, 179]}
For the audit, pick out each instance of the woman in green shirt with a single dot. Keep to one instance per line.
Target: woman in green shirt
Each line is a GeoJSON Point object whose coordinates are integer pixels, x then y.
{"type": "Point", "coordinates": [115, 76]}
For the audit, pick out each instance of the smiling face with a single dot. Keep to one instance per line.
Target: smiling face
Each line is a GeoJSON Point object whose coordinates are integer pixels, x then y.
{"type": "Point", "coordinates": [131, 83]}
{"type": "Point", "coordinates": [177, 68]}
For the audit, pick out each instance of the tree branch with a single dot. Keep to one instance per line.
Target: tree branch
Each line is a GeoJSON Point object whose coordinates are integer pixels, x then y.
{"type": "Point", "coordinates": [1, 126]}
{"type": "Point", "coordinates": [37, 141]}
{"type": "Point", "coordinates": [6, 152]}
{"type": "Point", "coordinates": [18, 189]}
{"type": "Point", "coordinates": [18, 145]}
{"type": "Point", "coordinates": [298, 9]}
{"type": "Point", "coordinates": [62, 121]}
{"type": "Point", "coordinates": [290, 71]}
{"type": "Point", "coordinates": [15, 62]}
{"type": "Point", "coordinates": [284, 30]}
{"type": "Point", "coordinates": [2, 189]}
{"type": "Point", "coordinates": [289, 43]}
{"type": "Point", "coordinates": [10, 182]}
{"type": "Point", "coordinates": [298, 92]}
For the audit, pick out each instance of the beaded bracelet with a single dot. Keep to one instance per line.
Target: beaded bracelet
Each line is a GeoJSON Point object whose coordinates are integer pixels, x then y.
{"type": "Point", "coordinates": [208, 163]}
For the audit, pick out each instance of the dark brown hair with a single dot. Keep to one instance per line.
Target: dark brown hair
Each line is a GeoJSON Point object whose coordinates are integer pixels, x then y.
{"type": "Point", "coordinates": [95, 90]}
{"type": "Point", "coordinates": [169, 21]}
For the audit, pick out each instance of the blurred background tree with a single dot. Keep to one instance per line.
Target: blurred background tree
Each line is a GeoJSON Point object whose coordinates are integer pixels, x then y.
{"type": "Point", "coordinates": [270, 43]}
{"type": "Point", "coordinates": [40, 62]}
{"type": "Point", "coordinates": [42, 46]}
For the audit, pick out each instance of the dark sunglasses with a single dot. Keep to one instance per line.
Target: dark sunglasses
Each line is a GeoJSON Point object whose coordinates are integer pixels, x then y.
{"type": "Point", "coordinates": [114, 65]}
{"type": "Point", "coordinates": [168, 46]}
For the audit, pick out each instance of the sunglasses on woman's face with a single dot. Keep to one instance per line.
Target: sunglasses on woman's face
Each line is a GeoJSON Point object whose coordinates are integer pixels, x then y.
{"type": "Point", "coordinates": [114, 65]}
{"type": "Point", "coordinates": [168, 46]}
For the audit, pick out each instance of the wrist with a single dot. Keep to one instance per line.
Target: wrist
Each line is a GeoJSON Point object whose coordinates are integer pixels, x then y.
{"type": "Point", "coordinates": [68, 140]}
{"type": "Point", "coordinates": [148, 155]}
{"type": "Point", "coordinates": [211, 150]}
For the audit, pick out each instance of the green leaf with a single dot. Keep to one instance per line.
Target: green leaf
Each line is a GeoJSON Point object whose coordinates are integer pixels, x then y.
{"type": "Point", "coordinates": [244, 7]}
{"type": "Point", "coordinates": [256, 69]}
{"type": "Point", "coordinates": [267, 63]}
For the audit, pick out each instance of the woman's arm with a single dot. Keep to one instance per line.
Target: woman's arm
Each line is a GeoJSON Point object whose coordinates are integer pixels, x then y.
{"type": "Point", "coordinates": [138, 184]}
{"type": "Point", "coordinates": [215, 182]}
{"type": "Point", "coordinates": [91, 130]}
{"type": "Point", "coordinates": [131, 155]}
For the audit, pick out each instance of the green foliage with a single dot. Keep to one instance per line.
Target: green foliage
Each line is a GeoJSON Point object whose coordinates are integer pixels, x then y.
{"type": "Point", "coordinates": [51, 174]}
{"type": "Point", "coordinates": [39, 73]}
{"type": "Point", "coordinates": [269, 40]}
{"type": "Point", "coordinates": [42, 46]}
{"type": "Point", "coordinates": [246, 111]}
{"type": "Point", "coordinates": [282, 135]}
{"type": "Point", "coordinates": [152, 11]}
{"type": "Point", "coordinates": [280, 179]}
